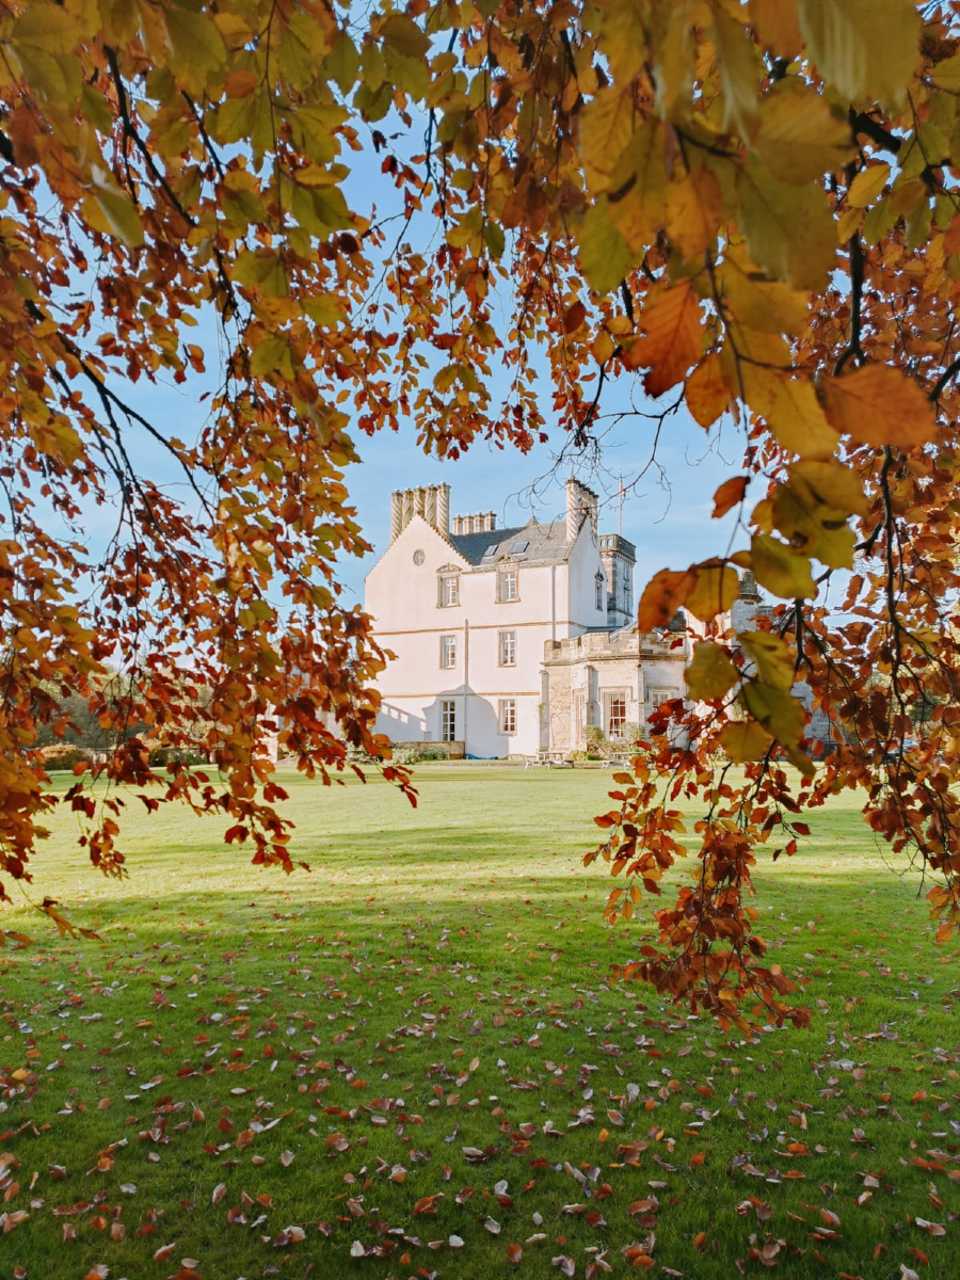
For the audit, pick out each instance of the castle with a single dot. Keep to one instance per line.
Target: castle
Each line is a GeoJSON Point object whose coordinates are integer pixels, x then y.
{"type": "Point", "coordinates": [513, 641]}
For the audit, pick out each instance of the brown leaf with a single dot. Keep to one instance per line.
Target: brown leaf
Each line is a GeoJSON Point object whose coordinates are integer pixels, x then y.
{"type": "Point", "coordinates": [574, 317]}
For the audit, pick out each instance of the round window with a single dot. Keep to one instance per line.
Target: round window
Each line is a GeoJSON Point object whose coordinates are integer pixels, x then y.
{"type": "Point", "coordinates": [418, 557]}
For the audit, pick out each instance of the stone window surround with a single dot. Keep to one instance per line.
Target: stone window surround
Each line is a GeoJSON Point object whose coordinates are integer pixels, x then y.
{"type": "Point", "coordinates": [509, 571]}
{"type": "Point", "coordinates": [507, 715]}
{"type": "Point", "coordinates": [448, 651]}
{"type": "Point", "coordinates": [506, 648]}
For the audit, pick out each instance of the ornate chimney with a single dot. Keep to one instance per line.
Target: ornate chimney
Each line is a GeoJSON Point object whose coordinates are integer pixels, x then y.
{"type": "Point", "coordinates": [430, 502]}
{"type": "Point", "coordinates": [481, 522]}
{"type": "Point", "coordinates": [581, 505]}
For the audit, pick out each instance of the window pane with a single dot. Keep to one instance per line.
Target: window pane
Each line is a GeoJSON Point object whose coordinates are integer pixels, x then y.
{"type": "Point", "coordinates": [448, 720]}
{"type": "Point", "coordinates": [616, 716]}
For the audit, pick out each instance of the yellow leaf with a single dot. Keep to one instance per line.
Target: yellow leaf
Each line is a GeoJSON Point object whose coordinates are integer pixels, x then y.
{"type": "Point", "coordinates": [114, 214]}
{"type": "Point", "coordinates": [673, 67]}
{"type": "Point", "coordinates": [403, 34]}
{"type": "Point", "coordinates": [758, 303]}
{"type": "Point", "coordinates": [799, 138]}
{"type": "Point", "coordinates": [707, 392]}
{"type": "Point", "coordinates": [606, 126]}
{"type": "Point", "coordinates": [272, 355]}
{"type": "Point", "coordinates": [947, 73]}
{"type": "Point", "coordinates": [789, 229]}
{"type": "Point", "coordinates": [866, 49]}
{"type": "Point", "coordinates": [198, 48]}
{"type": "Point", "coordinates": [673, 340]}
{"type": "Point", "coordinates": [717, 587]}
{"type": "Point", "coordinates": [812, 528]}
{"type": "Point", "coordinates": [744, 740]}
{"type": "Point", "coordinates": [694, 211]}
{"type": "Point", "coordinates": [868, 184]}
{"type": "Point", "coordinates": [603, 347]}
{"type": "Point", "coordinates": [775, 22]}
{"type": "Point", "coordinates": [776, 711]}
{"type": "Point", "coordinates": [638, 191]}
{"type": "Point", "coordinates": [879, 405]}
{"type": "Point", "coordinates": [48, 27]}
{"type": "Point", "coordinates": [791, 409]}
{"type": "Point", "coordinates": [710, 673]}
{"type": "Point", "coordinates": [832, 485]}
{"type": "Point", "coordinates": [771, 657]}
{"type": "Point", "coordinates": [604, 254]}
{"type": "Point", "coordinates": [779, 569]}
{"type": "Point", "coordinates": [850, 221]}
{"type": "Point", "coordinates": [738, 63]}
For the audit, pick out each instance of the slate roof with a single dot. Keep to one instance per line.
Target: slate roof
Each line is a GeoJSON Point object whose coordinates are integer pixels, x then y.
{"type": "Point", "coordinates": [547, 542]}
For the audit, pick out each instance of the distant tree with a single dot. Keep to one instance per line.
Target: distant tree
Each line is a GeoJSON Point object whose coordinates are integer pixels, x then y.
{"type": "Point", "coordinates": [752, 207]}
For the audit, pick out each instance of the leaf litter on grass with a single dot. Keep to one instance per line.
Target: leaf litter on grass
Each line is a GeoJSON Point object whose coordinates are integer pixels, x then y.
{"type": "Point", "coordinates": [273, 1091]}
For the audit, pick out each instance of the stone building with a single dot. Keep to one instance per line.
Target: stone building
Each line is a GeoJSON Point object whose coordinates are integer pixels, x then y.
{"type": "Point", "coordinates": [510, 641]}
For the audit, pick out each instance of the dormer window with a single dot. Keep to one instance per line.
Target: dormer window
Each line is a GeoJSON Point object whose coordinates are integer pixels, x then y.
{"type": "Point", "coordinates": [448, 588]}
{"type": "Point", "coordinates": [508, 585]}
{"type": "Point", "coordinates": [598, 584]}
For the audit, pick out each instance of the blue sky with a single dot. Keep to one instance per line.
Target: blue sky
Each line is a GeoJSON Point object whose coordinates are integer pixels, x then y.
{"type": "Point", "coordinates": [666, 513]}
{"type": "Point", "coordinates": [670, 528]}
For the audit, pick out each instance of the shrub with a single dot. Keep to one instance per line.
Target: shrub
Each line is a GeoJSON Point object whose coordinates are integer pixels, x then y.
{"type": "Point", "coordinates": [161, 756]}
{"type": "Point", "coordinates": [63, 757]}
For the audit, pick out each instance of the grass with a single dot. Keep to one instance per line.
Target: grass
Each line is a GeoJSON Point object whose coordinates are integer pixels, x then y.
{"type": "Point", "coordinates": [428, 1014]}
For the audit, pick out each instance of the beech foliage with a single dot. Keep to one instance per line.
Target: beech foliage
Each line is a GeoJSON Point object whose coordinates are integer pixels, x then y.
{"type": "Point", "coordinates": [750, 208]}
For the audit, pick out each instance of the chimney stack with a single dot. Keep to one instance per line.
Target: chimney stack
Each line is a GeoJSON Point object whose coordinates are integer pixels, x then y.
{"type": "Point", "coordinates": [481, 522]}
{"type": "Point", "coordinates": [430, 502]}
{"type": "Point", "coordinates": [581, 505]}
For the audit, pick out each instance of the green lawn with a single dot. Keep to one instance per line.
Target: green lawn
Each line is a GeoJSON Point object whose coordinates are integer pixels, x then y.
{"type": "Point", "coordinates": [427, 1014]}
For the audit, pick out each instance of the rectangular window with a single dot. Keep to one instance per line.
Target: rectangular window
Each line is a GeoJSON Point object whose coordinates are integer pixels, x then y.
{"type": "Point", "coordinates": [616, 714]}
{"type": "Point", "coordinates": [628, 594]}
{"type": "Point", "coordinates": [658, 696]}
{"type": "Point", "coordinates": [598, 587]}
{"type": "Point", "coordinates": [448, 592]}
{"type": "Point", "coordinates": [508, 649]}
{"type": "Point", "coordinates": [448, 652]}
{"type": "Point", "coordinates": [508, 715]}
{"type": "Point", "coordinates": [448, 720]}
{"type": "Point", "coordinates": [508, 586]}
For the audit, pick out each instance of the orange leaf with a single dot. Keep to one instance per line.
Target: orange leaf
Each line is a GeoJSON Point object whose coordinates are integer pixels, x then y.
{"type": "Point", "coordinates": [662, 597]}
{"type": "Point", "coordinates": [729, 494]}
{"type": "Point", "coordinates": [880, 405]}
{"type": "Point", "coordinates": [707, 392]}
{"type": "Point", "coordinates": [672, 342]}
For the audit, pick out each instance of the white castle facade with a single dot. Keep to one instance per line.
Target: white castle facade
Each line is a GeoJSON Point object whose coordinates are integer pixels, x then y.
{"type": "Point", "coordinates": [513, 641]}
